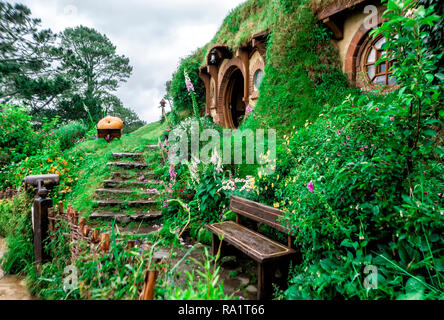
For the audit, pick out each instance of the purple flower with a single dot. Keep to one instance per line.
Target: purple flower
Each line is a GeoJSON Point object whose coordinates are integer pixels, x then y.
{"type": "Point", "coordinates": [376, 109]}
{"type": "Point", "coordinates": [366, 146]}
{"type": "Point", "coordinates": [392, 118]}
{"type": "Point", "coordinates": [348, 137]}
{"type": "Point", "coordinates": [310, 186]}
{"type": "Point", "coordinates": [188, 82]}
{"type": "Point", "coordinates": [173, 174]}
{"type": "Point", "coordinates": [249, 110]}
{"type": "Point", "coordinates": [362, 149]}
{"type": "Point", "coordinates": [344, 142]}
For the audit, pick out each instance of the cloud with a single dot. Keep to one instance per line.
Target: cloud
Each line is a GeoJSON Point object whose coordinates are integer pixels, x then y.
{"type": "Point", "coordinates": [153, 34]}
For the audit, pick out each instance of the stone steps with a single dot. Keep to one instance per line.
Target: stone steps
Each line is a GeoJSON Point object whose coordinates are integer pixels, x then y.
{"type": "Point", "coordinates": [152, 147]}
{"type": "Point", "coordinates": [127, 176]}
{"type": "Point", "coordinates": [125, 192]}
{"type": "Point", "coordinates": [131, 179]}
{"type": "Point", "coordinates": [142, 231]}
{"type": "Point", "coordinates": [128, 165]}
{"type": "Point", "coordinates": [111, 184]}
{"type": "Point", "coordinates": [129, 204]}
{"type": "Point", "coordinates": [125, 218]}
{"type": "Point", "coordinates": [123, 155]}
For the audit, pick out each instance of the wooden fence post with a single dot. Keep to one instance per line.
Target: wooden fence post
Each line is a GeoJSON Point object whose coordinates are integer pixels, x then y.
{"type": "Point", "coordinates": [150, 282]}
{"type": "Point", "coordinates": [40, 221]}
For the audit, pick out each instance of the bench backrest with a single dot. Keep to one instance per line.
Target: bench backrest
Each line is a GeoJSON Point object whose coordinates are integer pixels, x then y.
{"type": "Point", "coordinates": [257, 212]}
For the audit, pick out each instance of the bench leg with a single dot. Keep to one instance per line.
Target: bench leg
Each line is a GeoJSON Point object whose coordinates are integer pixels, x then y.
{"type": "Point", "coordinates": [264, 281]}
{"type": "Point", "coordinates": [260, 281]}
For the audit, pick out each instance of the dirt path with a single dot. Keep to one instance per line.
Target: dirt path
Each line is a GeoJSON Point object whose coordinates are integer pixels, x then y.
{"type": "Point", "coordinates": [11, 287]}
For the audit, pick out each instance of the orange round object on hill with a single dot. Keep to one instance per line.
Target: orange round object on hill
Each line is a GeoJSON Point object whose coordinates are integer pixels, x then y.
{"type": "Point", "coordinates": [110, 123]}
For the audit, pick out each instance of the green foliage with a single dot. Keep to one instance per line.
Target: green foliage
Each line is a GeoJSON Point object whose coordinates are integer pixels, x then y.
{"type": "Point", "coordinates": [206, 287]}
{"type": "Point", "coordinates": [26, 59]}
{"type": "Point", "coordinates": [374, 167]}
{"type": "Point", "coordinates": [95, 69]}
{"type": "Point", "coordinates": [302, 72]}
{"type": "Point", "coordinates": [182, 99]}
{"type": "Point", "coordinates": [16, 226]}
{"type": "Point", "coordinates": [70, 133]}
{"type": "Point", "coordinates": [242, 22]}
{"type": "Point", "coordinates": [18, 139]}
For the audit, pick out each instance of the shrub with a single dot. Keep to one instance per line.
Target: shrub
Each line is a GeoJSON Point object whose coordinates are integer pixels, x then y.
{"type": "Point", "coordinates": [70, 133]}
{"type": "Point", "coordinates": [361, 185]}
{"type": "Point", "coordinates": [16, 226]}
{"type": "Point", "coordinates": [18, 139]}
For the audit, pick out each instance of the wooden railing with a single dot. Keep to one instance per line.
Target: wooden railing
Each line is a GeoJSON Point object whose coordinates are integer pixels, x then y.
{"type": "Point", "coordinates": [97, 241]}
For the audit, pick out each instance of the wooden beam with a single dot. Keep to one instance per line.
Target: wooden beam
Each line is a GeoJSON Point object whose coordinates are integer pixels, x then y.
{"type": "Point", "coordinates": [333, 26]}
{"type": "Point", "coordinates": [335, 8]}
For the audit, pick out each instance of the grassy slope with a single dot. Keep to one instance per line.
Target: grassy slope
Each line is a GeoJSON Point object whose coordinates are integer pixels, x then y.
{"type": "Point", "coordinates": [98, 152]}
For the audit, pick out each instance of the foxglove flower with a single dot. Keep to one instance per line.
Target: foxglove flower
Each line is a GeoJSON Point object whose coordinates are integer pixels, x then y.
{"type": "Point", "coordinates": [310, 186]}
{"type": "Point", "coordinates": [188, 82]}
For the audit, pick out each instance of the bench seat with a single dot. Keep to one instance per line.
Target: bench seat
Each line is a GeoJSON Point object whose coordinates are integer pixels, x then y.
{"type": "Point", "coordinates": [255, 245]}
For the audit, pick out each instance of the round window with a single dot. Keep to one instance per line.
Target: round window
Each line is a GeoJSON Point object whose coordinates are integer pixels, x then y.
{"type": "Point", "coordinates": [377, 74]}
{"type": "Point", "coordinates": [257, 79]}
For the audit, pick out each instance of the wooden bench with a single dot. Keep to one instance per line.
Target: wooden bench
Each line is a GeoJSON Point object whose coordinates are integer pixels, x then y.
{"type": "Point", "coordinates": [269, 254]}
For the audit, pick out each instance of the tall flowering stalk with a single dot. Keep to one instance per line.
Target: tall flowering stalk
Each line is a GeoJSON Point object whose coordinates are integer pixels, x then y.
{"type": "Point", "coordinates": [192, 93]}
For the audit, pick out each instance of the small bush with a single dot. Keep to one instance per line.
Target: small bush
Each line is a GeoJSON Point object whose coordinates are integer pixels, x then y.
{"type": "Point", "coordinates": [70, 133]}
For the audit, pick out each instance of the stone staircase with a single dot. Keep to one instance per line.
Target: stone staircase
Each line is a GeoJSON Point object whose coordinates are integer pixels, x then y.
{"type": "Point", "coordinates": [131, 194]}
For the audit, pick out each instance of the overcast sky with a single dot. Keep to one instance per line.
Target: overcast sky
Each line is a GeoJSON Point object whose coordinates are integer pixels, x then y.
{"type": "Point", "coordinates": [154, 34]}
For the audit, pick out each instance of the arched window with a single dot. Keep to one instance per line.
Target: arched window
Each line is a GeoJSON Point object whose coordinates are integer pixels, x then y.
{"type": "Point", "coordinates": [257, 79]}
{"type": "Point", "coordinates": [376, 74]}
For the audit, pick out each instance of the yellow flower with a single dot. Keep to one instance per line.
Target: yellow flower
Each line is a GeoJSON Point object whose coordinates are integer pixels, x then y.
{"type": "Point", "coordinates": [326, 160]}
{"type": "Point", "coordinates": [277, 178]}
{"type": "Point", "coordinates": [300, 159]}
{"type": "Point", "coordinates": [317, 153]}
{"type": "Point", "coordinates": [290, 202]}
{"type": "Point", "coordinates": [328, 139]}
{"type": "Point", "coordinates": [272, 185]}
{"type": "Point", "coordinates": [294, 211]}
{"type": "Point", "coordinates": [276, 205]}
{"type": "Point", "coordinates": [266, 188]}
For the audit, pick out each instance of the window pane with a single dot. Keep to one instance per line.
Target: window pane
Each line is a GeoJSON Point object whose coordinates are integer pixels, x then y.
{"type": "Point", "coordinates": [258, 76]}
{"type": "Point", "coordinates": [392, 80]}
{"type": "Point", "coordinates": [379, 80]}
{"type": "Point", "coordinates": [379, 43]}
{"type": "Point", "coordinates": [371, 71]}
{"type": "Point", "coordinates": [382, 67]}
{"type": "Point", "coordinates": [371, 56]}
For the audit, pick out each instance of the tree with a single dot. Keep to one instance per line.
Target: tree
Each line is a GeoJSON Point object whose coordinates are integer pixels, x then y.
{"type": "Point", "coordinates": [90, 61]}
{"type": "Point", "coordinates": [27, 60]}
